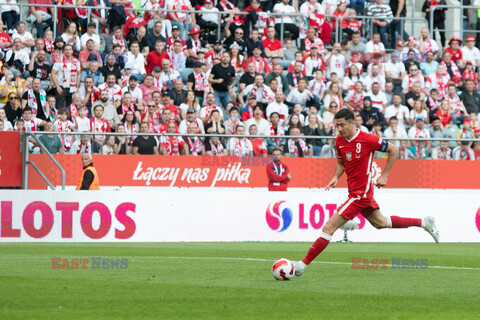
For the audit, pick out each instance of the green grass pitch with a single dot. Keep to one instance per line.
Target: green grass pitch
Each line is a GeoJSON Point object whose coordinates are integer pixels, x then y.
{"type": "Point", "coordinates": [234, 281]}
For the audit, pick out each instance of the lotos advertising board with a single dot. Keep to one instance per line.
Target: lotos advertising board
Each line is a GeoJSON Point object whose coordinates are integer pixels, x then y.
{"type": "Point", "coordinates": [247, 172]}
{"type": "Point", "coordinates": [224, 215]}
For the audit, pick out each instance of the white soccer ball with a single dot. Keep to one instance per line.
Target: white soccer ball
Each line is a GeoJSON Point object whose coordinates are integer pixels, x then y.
{"type": "Point", "coordinates": [283, 269]}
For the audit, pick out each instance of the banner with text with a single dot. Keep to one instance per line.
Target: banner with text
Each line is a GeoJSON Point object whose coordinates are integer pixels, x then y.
{"type": "Point", "coordinates": [208, 171]}
{"type": "Point", "coordinates": [224, 215]}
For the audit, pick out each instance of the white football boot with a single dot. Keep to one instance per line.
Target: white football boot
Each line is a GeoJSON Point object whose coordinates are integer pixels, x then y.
{"type": "Point", "coordinates": [300, 267]}
{"type": "Point", "coordinates": [428, 224]}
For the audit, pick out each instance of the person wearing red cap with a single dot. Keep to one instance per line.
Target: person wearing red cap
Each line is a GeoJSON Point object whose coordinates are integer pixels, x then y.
{"type": "Point", "coordinates": [467, 130]}
{"type": "Point", "coordinates": [194, 44]}
{"type": "Point", "coordinates": [470, 52]}
{"type": "Point", "coordinates": [454, 49]}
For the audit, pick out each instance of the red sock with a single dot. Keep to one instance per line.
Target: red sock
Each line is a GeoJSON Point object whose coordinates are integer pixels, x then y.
{"type": "Point", "coordinates": [317, 247]}
{"type": "Point", "coordinates": [399, 222]}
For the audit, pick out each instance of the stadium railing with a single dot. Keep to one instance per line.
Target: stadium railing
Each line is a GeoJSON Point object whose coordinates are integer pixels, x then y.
{"type": "Point", "coordinates": [460, 9]}
{"type": "Point", "coordinates": [337, 29]}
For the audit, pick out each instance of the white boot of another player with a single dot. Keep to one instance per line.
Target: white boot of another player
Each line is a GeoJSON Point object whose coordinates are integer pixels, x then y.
{"type": "Point", "coordinates": [428, 223]}
{"type": "Point", "coordinates": [300, 267]}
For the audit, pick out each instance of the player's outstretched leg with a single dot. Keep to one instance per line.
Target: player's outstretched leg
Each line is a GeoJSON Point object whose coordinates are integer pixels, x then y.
{"type": "Point", "coordinates": [427, 223]}
{"type": "Point", "coordinates": [335, 222]}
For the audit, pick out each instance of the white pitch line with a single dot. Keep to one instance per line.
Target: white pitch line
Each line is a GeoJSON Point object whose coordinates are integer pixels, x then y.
{"type": "Point", "coordinates": [320, 262]}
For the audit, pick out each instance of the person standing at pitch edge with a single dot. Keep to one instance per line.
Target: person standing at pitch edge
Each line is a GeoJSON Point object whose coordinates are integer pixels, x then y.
{"type": "Point", "coordinates": [277, 172]}
{"type": "Point", "coordinates": [355, 151]}
{"type": "Point", "coordinates": [89, 179]}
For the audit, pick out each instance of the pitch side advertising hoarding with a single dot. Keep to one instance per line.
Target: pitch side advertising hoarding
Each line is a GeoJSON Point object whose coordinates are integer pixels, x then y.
{"type": "Point", "coordinates": [224, 215]}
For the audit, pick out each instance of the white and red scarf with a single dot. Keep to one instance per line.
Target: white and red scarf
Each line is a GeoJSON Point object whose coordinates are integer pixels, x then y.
{"type": "Point", "coordinates": [154, 120]}
{"type": "Point", "coordinates": [434, 104]}
{"type": "Point", "coordinates": [195, 123]}
{"type": "Point", "coordinates": [67, 140]}
{"type": "Point", "coordinates": [317, 87]}
{"type": "Point", "coordinates": [216, 149]}
{"type": "Point", "coordinates": [73, 73]}
{"type": "Point", "coordinates": [443, 154]}
{"type": "Point", "coordinates": [73, 110]}
{"type": "Point", "coordinates": [121, 42]}
{"type": "Point", "coordinates": [293, 150]}
{"type": "Point", "coordinates": [195, 146]}
{"type": "Point", "coordinates": [280, 132]}
{"type": "Point", "coordinates": [196, 45]}
{"type": "Point", "coordinates": [265, 93]}
{"type": "Point", "coordinates": [131, 128]}
{"type": "Point", "coordinates": [84, 148]}
{"type": "Point", "coordinates": [356, 101]}
{"type": "Point", "coordinates": [240, 147]}
{"type": "Point", "coordinates": [455, 104]}
{"type": "Point", "coordinates": [171, 145]}
{"type": "Point", "coordinates": [98, 126]}
{"type": "Point", "coordinates": [48, 45]}
{"type": "Point", "coordinates": [126, 108]}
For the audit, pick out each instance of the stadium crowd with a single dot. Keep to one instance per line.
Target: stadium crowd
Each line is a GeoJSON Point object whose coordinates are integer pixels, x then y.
{"type": "Point", "coordinates": [136, 72]}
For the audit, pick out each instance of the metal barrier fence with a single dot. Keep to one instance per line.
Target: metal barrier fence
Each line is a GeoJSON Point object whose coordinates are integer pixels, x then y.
{"type": "Point", "coordinates": [24, 148]}
{"type": "Point", "coordinates": [460, 10]}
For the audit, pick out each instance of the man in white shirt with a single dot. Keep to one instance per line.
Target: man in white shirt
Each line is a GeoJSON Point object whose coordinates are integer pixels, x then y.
{"type": "Point", "coordinates": [379, 100]}
{"type": "Point", "coordinates": [419, 131]}
{"type": "Point", "coordinates": [168, 75]}
{"type": "Point", "coordinates": [190, 119]}
{"type": "Point", "coordinates": [240, 147]}
{"type": "Point", "coordinates": [136, 61]}
{"type": "Point", "coordinates": [413, 76]}
{"type": "Point", "coordinates": [395, 69]}
{"type": "Point", "coordinates": [66, 77]}
{"type": "Point", "coordinates": [90, 34]}
{"type": "Point", "coordinates": [288, 22]}
{"type": "Point", "coordinates": [337, 61]}
{"type": "Point", "coordinates": [395, 131]}
{"type": "Point", "coordinates": [137, 94]}
{"type": "Point", "coordinates": [278, 106]}
{"type": "Point", "coordinates": [262, 124]}
{"type": "Point", "coordinates": [314, 61]}
{"type": "Point", "coordinates": [426, 44]}
{"type": "Point", "coordinates": [262, 92]}
{"type": "Point", "coordinates": [399, 111]}
{"type": "Point", "coordinates": [375, 46]}
{"type": "Point", "coordinates": [19, 55]}
{"type": "Point", "coordinates": [470, 52]}
{"type": "Point", "coordinates": [26, 38]}
{"type": "Point", "coordinates": [374, 77]}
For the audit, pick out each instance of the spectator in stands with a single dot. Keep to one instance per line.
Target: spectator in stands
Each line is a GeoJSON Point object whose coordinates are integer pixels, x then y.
{"type": "Point", "coordinates": [180, 19]}
{"type": "Point", "coordinates": [66, 77]}
{"type": "Point", "coordinates": [51, 142]}
{"type": "Point", "coordinates": [223, 79]}
{"type": "Point", "coordinates": [240, 147]}
{"type": "Point", "coordinates": [300, 95]}
{"type": "Point", "coordinates": [413, 76]}
{"type": "Point", "coordinates": [429, 65]}
{"type": "Point", "coordinates": [356, 45]}
{"type": "Point", "coordinates": [258, 119]}
{"type": "Point", "coordinates": [426, 44]}
{"type": "Point", "coordinates": [312, 40]}
{"type": "Point", "coordinates": [415, 94]}
{"type": "Point", "coordinates": [441, 151]}
{"type": "Point", "coordinates": [463, 152]}
{"type": "Point", "coordinates": [145, 144]}
{"type": "Point", "coordinates": [470, 97]}
{"type": "Point", "coordinates": [296, 147]}
{"type": "Point", "coordinates": [375, 46]}
{"type": "Point", "coordinates": [173, 145]}
{"type": "Point", "coordinates": [89, 54]}
{"type": "Point", "coordinates": [10, 14]}
{"type": "Point", "coordinates": [371, 114]}
{"type": "Point", "coordinates": [154, 36]}
{"type": "Point", "coordinates": [419, 131]}
{"type": "Point", "coordinates": [454, 50]}
{"type": "Point", "coordinates": [399, 111]}
{"type": "Point", "coordinates": [374, 77]}
{"type": "Point", "coordinates": [262, 92]}
{"type": "Point", "coordinates": [234, 121]}
{"type": "Point", "coordinates": [214, 147]}
{"type": "Point", "coordinates": [314, 128]}
{"type": "Point", "coordinates": [294, 77]}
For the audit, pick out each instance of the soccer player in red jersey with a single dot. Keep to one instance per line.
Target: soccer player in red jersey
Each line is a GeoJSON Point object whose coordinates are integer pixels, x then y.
{"type": "Point", "coordinates": [355, 151]}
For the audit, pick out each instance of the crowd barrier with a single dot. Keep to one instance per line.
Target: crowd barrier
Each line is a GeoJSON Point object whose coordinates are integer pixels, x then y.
{"type": "Point", "coordinates": [201, 215]}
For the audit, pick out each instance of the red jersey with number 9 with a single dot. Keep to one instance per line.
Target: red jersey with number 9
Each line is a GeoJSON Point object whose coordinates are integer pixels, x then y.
{"type": "Point", "coordinates": [357, 155]}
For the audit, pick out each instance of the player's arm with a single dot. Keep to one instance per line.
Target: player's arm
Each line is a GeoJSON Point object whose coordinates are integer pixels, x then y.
{"type": "Point", "coordinates": [392, 155]}
{"type": "Point", "coordinates": [339, 170]}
